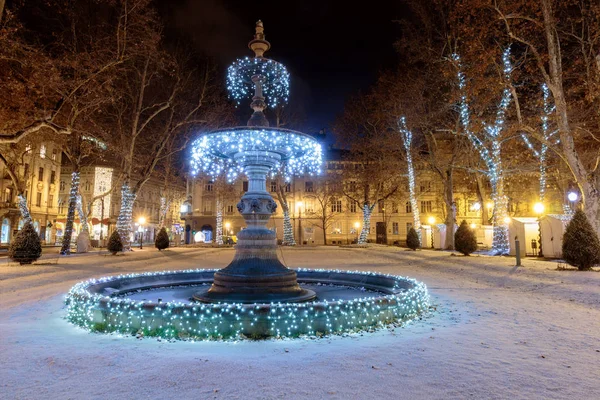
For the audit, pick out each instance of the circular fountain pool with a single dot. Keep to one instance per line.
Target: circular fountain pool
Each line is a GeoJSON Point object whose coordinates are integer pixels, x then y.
{"type": "Point", "coordinates": [161, 304]}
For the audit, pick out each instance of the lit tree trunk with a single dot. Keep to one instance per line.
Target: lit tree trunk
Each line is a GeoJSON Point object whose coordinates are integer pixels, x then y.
{"type": "Point", "coordinates": [82, 216]}
{"type": "Point", "coordinates": [23, 208]}
{"type": "Point", "coordinates": [219, 233]}
{"type": "Point", "coordinates": [288, 231]}
{"type": "Point", "coordinates": [165, 204]}
{"type": "Point", "coordinates": [126, 215]}
{"type": "Point", "coordinates": [366, 228]}
{"type": "Point", "coordinates": [407, 142]}
{"type": "Point", "coordinates": [66, 244]}
{"type": "Point", "coordinates": [500, 241]}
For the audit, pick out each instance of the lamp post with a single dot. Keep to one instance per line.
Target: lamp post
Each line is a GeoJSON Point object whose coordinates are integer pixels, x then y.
{"type": "Point", "coordinates": [538, 208]}
{"type": "Point", "coordinates": [431, 221]}
{"type": "Point", "coordinates": [141, 221]}
{"type": "Point", "coordinates": [356, 227]}
{"type": "Point", "coordinates": [227, 226]}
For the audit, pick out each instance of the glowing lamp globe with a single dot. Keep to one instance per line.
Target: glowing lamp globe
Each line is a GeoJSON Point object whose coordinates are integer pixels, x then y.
{"type": "Point", "coordinates": [476, 206]}
{"type": "Point", "coordinates": [572, 196]}
{"type": "Point", "coordinates": [538, 208]}
{"type": "Point", "coordinates": [431, 220]}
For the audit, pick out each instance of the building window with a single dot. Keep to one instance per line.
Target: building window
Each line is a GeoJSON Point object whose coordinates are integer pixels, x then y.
{"type": "Point", "coordinates": [50, 200]}
{"type": "Point", "coordinates": [408, 226]}
{"type": "Point", "coordinates": [52, 177]}
{"type": "Point", "coordinates": [426, 206]}
{"type": "Point", "coordinates": [308, 186]}
{"type": "Point", "coordinates": [408, 207]}
{"type": "Point", "coordinates": [41, 174]}
{"type": "Point", "coordinates": [54, 155]}
{"type": "Point", "coordinates": [87, 187]}
{"type": "Point", "coordinates": [352, 186]}
{"type": "Point", "coordinates": [381, 206]}
{"type": "Point", "coordinates": [42, 151]}
{"type": "Point", "coordinates": [209, 186]}
{"type": "Point", "coordinates": [273, 186]}
{"type": "Point", "coordinates": [8, 195]}
{"type": "Point", "coordinates": [62, 186]}
{"type": "Point", "coordinates": [309, 206]}
{"type": "Point", "coordinates": [352, 206]}
{"type": "Point", "coordinates": [336, 227]}
{"type": "Point", "coordinates": [26, 170]}
{"type": "Point", "coordinates": [245, 186]}
{"type": "Point", "coordinates": [38, 200]}
{"type": "Point", "coordinates": [336, 205]}
{"type": "Point", "coordinates": [425, 187]}
{"type": "Point", "coordinates": [288, 188]}
{"type": "Point", "coordinates": [394, 207]}
{"type": "Point", "coordinates": [230, 209]}
{"type": "Point", "coordinates": [394, 228]}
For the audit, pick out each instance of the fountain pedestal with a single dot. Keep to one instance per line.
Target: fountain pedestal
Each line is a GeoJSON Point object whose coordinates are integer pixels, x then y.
{"type": "Point", "coordinates": [256, 275]}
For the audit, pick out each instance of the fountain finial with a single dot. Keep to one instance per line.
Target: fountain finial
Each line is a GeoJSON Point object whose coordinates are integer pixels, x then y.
{"type": "Point", "coordinates": [259, 45]}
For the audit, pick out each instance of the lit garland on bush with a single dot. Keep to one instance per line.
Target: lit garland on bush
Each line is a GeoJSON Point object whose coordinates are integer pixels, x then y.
{"type": "Point", "coordinates": [489, 149]}
{"type": "Point", "coordinates": [407, 141]}
{"type": "Point", "coordinates": [197, 321]}
{"type": "Point", "coordinates": [125, 215]}
{"type": "Point", "coordinates": [73, 194]}
{"type": "Point", "coordinates": [547, 136]}
{"type": "Point", "coordinates": [227, 150]}
{"type": "Point", "coordinates": [275, 87]}
{"type": "Point", "coordinates": [219, 234]}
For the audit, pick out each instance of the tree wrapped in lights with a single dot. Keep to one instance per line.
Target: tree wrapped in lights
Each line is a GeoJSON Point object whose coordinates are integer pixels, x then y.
{"type": "Point", "coordinates": [125, 215]}
{"type": "Point", "coordinates": [546, 137]}
{"type": "Point", "coordinates": [489, 145]}
{"type": "Point", "coordinates": [407, 143]}
{"type": "Point", "coordinates": [73, 195]}
{"type": "Point", "coordinates": [219, 231]}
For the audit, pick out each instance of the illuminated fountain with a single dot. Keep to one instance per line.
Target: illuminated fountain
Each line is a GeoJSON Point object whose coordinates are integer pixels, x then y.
{"type": "Point", "coordinates": [255, 295]}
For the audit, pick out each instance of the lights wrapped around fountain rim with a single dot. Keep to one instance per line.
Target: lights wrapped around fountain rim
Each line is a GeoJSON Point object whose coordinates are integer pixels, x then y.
{"type": "Point", "coordinates": [228, 150]}
{"type": "Point", "coordinates": [94, 305]}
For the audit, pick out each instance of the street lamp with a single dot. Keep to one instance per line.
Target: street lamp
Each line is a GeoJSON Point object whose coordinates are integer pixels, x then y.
{"type": "Point", "coordinates": [356, 226]}
{"type": "Point", "coordinates": [573, 197]}
{"type": "Point", "coordinates": [141, 222]}
{"type": "Point", "coordinates": [476, 206]}
{"type": "Point", "coordinates": [538, 208]}
{"type": "Point", "coordinates": [431, 221]}
{"type": "Point", "coordinates": [227, 226]}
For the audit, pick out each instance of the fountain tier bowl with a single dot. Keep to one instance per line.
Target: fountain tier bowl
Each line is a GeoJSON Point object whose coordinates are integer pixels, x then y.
{"type": "Point", "coordinates": [365, 300]}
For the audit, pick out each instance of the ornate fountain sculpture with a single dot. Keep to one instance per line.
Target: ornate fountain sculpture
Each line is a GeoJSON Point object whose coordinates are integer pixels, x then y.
{"type": "Point", "coordinates": [256, 275]}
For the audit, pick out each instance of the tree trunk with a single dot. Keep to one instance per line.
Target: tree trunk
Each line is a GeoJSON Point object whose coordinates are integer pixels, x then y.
{"type": "Point", "coordinates": [66, 244]}
{"type": "Point", "coordinates": [125, 215]}
{"type": "Point", "coordinates": [450, 210]}
{"type": "Point", "coordinates": [366, 229]}
{"type": "Point", "coordinates": [482, 197]}
{"type": "Point", "coordinates": [288, 231]}
{"type": "Point", "coordinates": [23, 208]}
{"type": "Point", "coordinates": [500, 241]}
{"type": "Point", "coordinates": [219, 230]}
{"type": "Point", "coordinates": [82, 216]}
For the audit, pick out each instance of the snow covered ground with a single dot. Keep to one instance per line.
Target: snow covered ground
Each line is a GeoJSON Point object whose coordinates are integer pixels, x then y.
{"type": "Point", "coordinates": [495, 332]}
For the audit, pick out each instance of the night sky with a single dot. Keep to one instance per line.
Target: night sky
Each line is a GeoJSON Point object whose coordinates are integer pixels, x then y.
{"type": "Point", "coordinates": [331, 48]}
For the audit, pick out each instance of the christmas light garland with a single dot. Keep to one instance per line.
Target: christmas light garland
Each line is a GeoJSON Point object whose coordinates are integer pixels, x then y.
{"type": "Point", "coordinates": [22, 203]}
{"type": "Point", "coordinates": [275, 87]}
{"type": "Point", "coordinates": [407, 142]}
{"type": "Point", "coordinates": [366, 229]}
{"type": "Point", "coordinates": [288, 230]}
{"type": "Point", "coordinates": [219, 233]}
{"type": "Point", "coordinates": [489, 149]}
{"type": "Point", "coordinates": [95, 305]}
{"type": "Point", "coordinates": [228, 150]}
{"type": "Point", "coordinates": [73, 194]}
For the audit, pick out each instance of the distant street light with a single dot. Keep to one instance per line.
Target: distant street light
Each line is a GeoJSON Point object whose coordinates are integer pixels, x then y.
{"type": "Point", "coordinates": [141, 222]}
{"type": "Point", "coordinates": [356, 226]}
{"type": "Point", "coordinates": [431, 221]}
{"type": "Point", "coordinates": [476, 206]}
{"type": "Point", "coordinates": [538, 208]}
{"type": "Point", "coordinates": [572, 196]}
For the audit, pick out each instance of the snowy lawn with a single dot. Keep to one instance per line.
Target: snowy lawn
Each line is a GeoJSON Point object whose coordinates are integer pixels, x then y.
{"type": "Point", "coordinates": [495, 332]}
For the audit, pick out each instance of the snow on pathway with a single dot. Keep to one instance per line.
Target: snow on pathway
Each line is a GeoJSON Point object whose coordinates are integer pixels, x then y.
{"type": "Point", "coordinates": [496, 332]}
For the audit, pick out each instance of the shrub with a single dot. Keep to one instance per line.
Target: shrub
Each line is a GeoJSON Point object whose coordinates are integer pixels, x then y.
{"type": "Point", "coordinates": [162, 239]}
{"type": "Point", "coordinates": [26, 246]}
{"type": "Point", "coordinates": [412, 239]}
{"type": "Point", "coordinates": [464, 239]}
{"type": "Point", "coordinates": [114, 242]}
{"type": "Point", "coordinates": [581, 246]}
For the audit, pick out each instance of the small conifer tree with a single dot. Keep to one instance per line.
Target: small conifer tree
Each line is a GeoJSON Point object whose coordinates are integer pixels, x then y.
{"type": "Point", "coordinates": [162, 239]}
{"type": "Point", "coordinates": [26, 246]}
{"type": "Point", "coordinates": [581, 246]}
{"type": "Point", "coordinates": [412, 239]}
{"type": "Point", "coordinates": [114, 243]}
{"type": "Point", "coordinates": [464, 239]}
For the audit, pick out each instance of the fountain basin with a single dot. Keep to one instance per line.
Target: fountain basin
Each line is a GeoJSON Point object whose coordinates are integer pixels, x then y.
{"type": "Point", "coordinates": [112, 304]}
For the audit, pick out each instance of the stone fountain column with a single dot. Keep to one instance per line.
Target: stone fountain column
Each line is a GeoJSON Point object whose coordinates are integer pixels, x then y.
{"type": "Point", "coordinates": [256, 275]}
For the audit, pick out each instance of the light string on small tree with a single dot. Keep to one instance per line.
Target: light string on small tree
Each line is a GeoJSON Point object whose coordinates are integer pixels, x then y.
{"type": "Point", "coordinates": [219, 234]}
{"type": "Point", "coordinates": [488, 145]}
{"type": "Point", "coordinates": [23, 209]}
{"type": "Point", "coordinates": [288, 231]}
{"type": "Point", "coordinates": [82, 215]}
{"type": "Point", "coordinates": [407, 142]}
{"type": "Point", "coordinates": [366, 228]}
{"type": "Point", "coordinates": [73, 194]}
